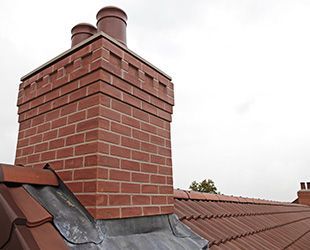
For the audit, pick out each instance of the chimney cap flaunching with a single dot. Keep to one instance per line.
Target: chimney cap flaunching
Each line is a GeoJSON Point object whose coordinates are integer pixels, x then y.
{"type": "Point", "coordinates": [100, 117]}
{"type": "Point", "coordinates": [113, 21]}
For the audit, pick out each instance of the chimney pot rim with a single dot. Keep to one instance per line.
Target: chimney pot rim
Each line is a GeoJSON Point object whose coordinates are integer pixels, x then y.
{"type": "Point", "coordinates": [83, 28]}
{"type": "Point", "coordinates": [112, 11]}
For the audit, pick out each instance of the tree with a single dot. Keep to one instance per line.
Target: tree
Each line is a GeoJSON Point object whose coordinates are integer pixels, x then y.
{"type": "Point", "coordinates": [206, 186]}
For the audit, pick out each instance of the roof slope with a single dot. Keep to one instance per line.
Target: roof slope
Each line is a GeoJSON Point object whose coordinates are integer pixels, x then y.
{"type": "Point", "coordinates": [38, 211]}
{"type": "Point", "coordinates": [241, 223]}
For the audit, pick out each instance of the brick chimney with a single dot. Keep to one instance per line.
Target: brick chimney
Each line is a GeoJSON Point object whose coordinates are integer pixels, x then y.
{"type": "Point", "coordinates": [304, 193]}
{"type": "Point", "coordinates": [100, 115]}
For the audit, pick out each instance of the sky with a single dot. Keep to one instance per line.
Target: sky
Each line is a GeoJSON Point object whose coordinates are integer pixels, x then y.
{"type": "Point", "coordinates": [241, 75]}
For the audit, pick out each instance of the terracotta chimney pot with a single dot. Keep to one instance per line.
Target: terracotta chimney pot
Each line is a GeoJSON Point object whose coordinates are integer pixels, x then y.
{"type": "Point", "coordinates": [302, 186]}
{"type": "Point", "coordinates": [113, 21]}
{"type": "Point", "coordinates": [308, 185]}
{"type": "Point", "coordinates": [82, 31]}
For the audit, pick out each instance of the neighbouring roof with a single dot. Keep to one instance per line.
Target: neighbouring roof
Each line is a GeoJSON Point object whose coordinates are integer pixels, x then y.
{"type": "Point", "coordinates": [37, 211]}
{"type": "Point", "coordinates": [229, 222]}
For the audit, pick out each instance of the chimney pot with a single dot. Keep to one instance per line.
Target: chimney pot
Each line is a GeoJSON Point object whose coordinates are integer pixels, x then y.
{"type": "Point", "coordinates": [308, 185]}
{"type": "Point", "coordinates": [302, 186]}
{"type": "Point", "coordinates": [113, 21]}
{"type": "Point", "coordinates": [82, 31]}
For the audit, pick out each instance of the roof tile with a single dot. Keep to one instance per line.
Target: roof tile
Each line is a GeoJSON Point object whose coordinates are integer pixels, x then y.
{"type": "Point", "coordinates": [245, 223]}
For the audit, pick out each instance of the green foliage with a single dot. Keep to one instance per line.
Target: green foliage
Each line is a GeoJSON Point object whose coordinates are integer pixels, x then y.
{"type": "Point", "coordinates": [206, 186]}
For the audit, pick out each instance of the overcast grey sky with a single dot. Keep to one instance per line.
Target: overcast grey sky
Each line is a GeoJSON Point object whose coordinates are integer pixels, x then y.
{"type": "Point", "coordinates": [241, 74]}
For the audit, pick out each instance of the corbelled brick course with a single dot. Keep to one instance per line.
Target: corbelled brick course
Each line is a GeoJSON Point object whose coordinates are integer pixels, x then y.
{"type": "Point", "coordinates": [100, 115]}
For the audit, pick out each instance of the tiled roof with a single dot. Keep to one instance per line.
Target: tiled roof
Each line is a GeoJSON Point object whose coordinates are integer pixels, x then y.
{"type": "Point", "coordinates": [229, 222]}
{"type": "Point", "coordinates": [37, 211]}
{"type": "Point", "coordinates": [25, 224]}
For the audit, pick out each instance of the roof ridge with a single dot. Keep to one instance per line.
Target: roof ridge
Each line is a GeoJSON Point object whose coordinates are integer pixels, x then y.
{"type": "Point", "coordinates": [235, 215]}
{"type": "Point", "coordinates": [238, 236]}
{"type": "Point", "coordinates": [194, 195]}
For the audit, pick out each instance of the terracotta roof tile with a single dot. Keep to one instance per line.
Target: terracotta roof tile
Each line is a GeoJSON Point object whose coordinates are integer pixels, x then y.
{"type": "Point", "coordinates": [33, 211]}
{"type": "Point", "coordinates": [25, 175]}
{"type": "Point", "coordinates": [244, 223]}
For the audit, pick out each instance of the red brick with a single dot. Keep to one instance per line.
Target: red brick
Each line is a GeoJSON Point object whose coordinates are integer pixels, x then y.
{"type": "Point", "coordinates": [28, 150]}
{"type": "Point", "coordinates": [140, 135]}
{"type": "Point", "coordinates": [119, 151]}
{"type": "Point", "coordinates": [91, 160]}
{"type": "Point", "coordinates": [130, 143]}
{"type": "Point", "coordinates": [151, 210]}
{"type": "Point", "coordinates": [108, 187]}
{"type": "Point", "coordinates": [86, 173]}
{"type": "Point", "coordinates": [87, 148]}
{"type": "Point", "coordinates": [59, 122]}
{"type": "Point", "coordinates": [139, 177]}
{"type": "Point", "coordinates": [150, 189]}
{"type": "Point", "coordinates": [109, 137]}
{"type": "Point", "coordinates": [119, 175]}
{"type": "Point", "coordinates": [130, 165]}
{"type": "Point", "coordinates": [56, 165]}
{"type": "Point", "coordinates": [103, 147]}
{"type": "Point", "coordinates": [75, 139]}
{"type": "Point", "coordinates": [38, 120]}
{"type": "Point", "coordinates": [118, 128]}
{"type": "Point", "coordinates": [68, 109]}
{"type": "Point", "coordinates": [58, 143]}
{"type": "Point", "coordinates": [130, 121]}
{"type": "Point", "coordinates": [65, 175]}
{"type": "Point", "coordinates": [50, 155]}
{"type": "Point", "coordinates": [121, 107]}
{"type": "Point", "coordinates": [35, 139]}
{"type": "Point", "coordinates": [149, 128]}
{"type": "Point", "coordinates": [79, 116]}
{"type": "Point", "coordinates": [67, 130]}
{"type": "Point", "coordinates": [108, 213]}
{"type": "Point", "coordinates": [108, 161]}
{"type": "Point", "coordinates": [23, 143]}
{"type": "Point", "coordinates": [89, 186]}
{"type": "Point", "coordinates": [64, 152]}
{"type": "Point", "coordinates": [148, 147]}
{"type": "Point", "coordinates": [149, 168]}
{"type": "Point", "coordinates": [75, 186]}
{"type": "Point", "coordinates": [109, 113]}
{"type": "Point", "coordinates": [33, 158]}
{"type": "Point", "coordinates": [140, 156]}
{"type": "Point", "coordinates": [87, 199]}
{"type": "Point", "coordinates": [158, 179]}
{"type": "Point", "coordinates": [157, 140]}
{"type": "Point", "coordinates": [130, 188]}
{"type": "Point", "coordinates": [119, 200]}
{"type": "Point", "coordinates": [41, 147]}
{"type": "Point", "coordinates": [159, 200]}
{"type": "Point", "coordinates": [88, 102]}
{"type": "Point", "coordinates": [87, 125]}
{"type": "Point", "coordinates": [92, 135]}
{"type": "Point", "coordinates": [167, 209]}
{"type": "Point", "coordinates": [157, 121]}
{"type": "Point", "coordinates": [165, 189]}
{"type": "Point", "coordinates": [165, 170]}
{"type": "Point", "coordinates": [158, 159]}
{"type": "Point", "coordinates": [131, 212]}
{"type": "Point", "coordinates": [74, 163]}
{"type": "Point", "coordinates": [44, 127]}
{"type": "Point", "coordinates": [141, 115]}
{"type": "Point", "coordinates": [111, 90]}
{"type": "Point", "coordinates": [141, 200]}
{"type": "Point", "coordinates": [50, 135]}
{"type": "Point", "coordinates": [132, 100]}
{"type": "Point", "coordinates": [30, 132]}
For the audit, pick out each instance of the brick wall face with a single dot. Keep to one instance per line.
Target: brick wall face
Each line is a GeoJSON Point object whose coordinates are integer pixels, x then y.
{"type": "Point", "coordinates": [304, 197]}
{"type": "Point", "coordinates": [101, 118]}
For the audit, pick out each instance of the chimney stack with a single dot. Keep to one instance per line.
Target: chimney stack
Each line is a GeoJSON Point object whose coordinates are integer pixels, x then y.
{"type": "Point", "coordinates": [113, 21]}
{"type": "Point", "coordinates": [304, 194]}
{"type": "Point", "coordinates": [81, 32]}
{"type": "Point", "coordinates": [100, 115]}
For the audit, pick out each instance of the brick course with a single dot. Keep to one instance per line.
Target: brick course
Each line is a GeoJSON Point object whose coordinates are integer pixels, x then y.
{"type": "Point", "coordinates": [100, 116]}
